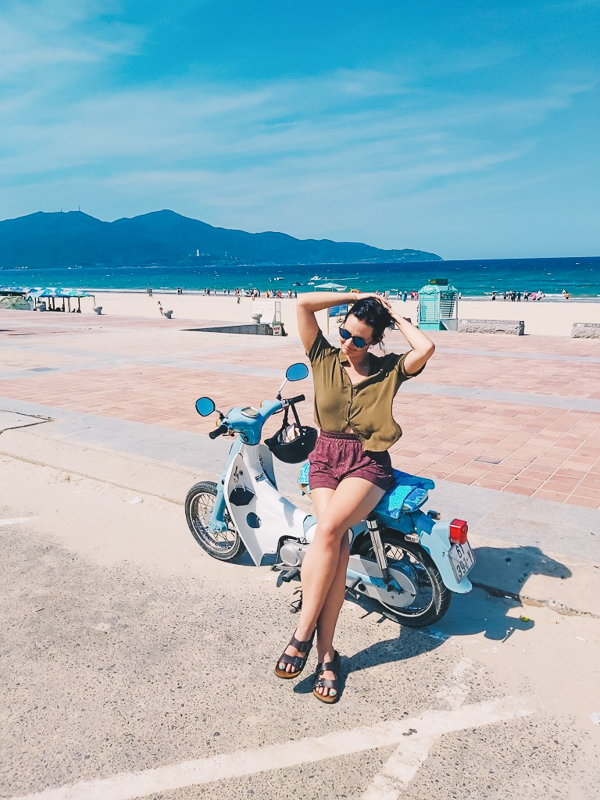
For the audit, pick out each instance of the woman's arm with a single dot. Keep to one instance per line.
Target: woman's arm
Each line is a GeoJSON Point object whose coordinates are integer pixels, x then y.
{"type": "Point", "coordinates": [310, 302]}
{"type": "Point", "coordinates": [422, 346]}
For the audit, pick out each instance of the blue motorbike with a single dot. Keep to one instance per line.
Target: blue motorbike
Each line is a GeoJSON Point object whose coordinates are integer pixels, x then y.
{"type": "Point", "coordinates": [405, 560]}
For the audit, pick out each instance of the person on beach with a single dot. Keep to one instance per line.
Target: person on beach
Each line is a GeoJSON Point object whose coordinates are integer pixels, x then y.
{"type": "Point", "coordinates": [350, 467]}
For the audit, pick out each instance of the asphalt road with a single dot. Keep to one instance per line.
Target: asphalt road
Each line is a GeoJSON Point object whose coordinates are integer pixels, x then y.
{"type": "Point", "coordinates": [133, 665]}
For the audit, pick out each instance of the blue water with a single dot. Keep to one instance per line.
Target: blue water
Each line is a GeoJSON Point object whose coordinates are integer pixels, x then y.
{"type": "Point", "coordinates": [579, 276]}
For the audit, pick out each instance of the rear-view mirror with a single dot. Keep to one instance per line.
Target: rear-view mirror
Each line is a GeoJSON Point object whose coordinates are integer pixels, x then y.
{"type": "Point", "coordinates": [204, 406]}
{"type": "Point", "coordinates": [296, 372]}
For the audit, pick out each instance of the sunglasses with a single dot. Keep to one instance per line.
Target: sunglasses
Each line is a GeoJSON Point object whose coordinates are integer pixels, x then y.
{"type": "Point", "coordinates": [357, 341]}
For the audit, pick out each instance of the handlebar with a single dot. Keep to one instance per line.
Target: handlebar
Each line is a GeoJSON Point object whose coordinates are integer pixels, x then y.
{"type": "Point", "coordinates": [275, 407]}
{"type": "Point", "coordinates": [219, 432]}
{"type": "Point", "coordinates": [298, 399]}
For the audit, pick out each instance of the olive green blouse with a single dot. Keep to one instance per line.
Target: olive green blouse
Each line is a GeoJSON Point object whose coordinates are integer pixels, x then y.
{"type": "Point", "coordinates": [365, 406]}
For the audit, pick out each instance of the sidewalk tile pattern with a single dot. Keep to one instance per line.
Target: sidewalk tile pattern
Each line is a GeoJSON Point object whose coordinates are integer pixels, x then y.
{"type": "Point", "coordinates": [132, 369]}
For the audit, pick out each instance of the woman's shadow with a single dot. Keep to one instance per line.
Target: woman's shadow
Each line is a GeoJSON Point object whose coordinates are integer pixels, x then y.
{"type": "Point", "coordinates": [483, 610]}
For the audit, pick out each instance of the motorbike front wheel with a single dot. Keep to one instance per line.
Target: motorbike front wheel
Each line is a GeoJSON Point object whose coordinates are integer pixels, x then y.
{"type": "Point", "coordinates": [432, 596]}
{"type": "Point", "coordinates": [199, 504]}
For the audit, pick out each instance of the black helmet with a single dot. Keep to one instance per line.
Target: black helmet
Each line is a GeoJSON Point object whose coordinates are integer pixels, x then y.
{"type": "Point", "coordinates": [292, 443]}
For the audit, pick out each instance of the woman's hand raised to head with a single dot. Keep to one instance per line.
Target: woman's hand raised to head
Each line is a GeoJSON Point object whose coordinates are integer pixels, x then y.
{"type": "Point", "coordinates": [398, 319]}
{"type": "Point", "coordinates": [363, 295]}
{"type": "Point", "coordinates": [384, 302]}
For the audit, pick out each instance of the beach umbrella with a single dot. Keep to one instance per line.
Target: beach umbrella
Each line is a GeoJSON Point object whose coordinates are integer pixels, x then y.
{"type": "Point", "coordinates": [337, 287]}
{"type": "Point", "coordinates": [46, 291]}
{"type": "Point", "coordinates": [76, 293]}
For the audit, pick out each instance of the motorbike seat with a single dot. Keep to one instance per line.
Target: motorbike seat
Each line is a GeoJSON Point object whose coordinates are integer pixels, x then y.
{"type": "Point", "coordinates": [408, 493]}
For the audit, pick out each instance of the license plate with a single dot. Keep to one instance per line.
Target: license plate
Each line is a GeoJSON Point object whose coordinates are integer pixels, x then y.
{"type": "Point", "coordinates": [462, 560]}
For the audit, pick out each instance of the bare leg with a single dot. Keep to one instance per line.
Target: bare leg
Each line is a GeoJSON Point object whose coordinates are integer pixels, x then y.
{"type": "Point", "coordinates": [330, 612]}
{"type": "Point", "coordinates": [334, 601]}
{"type": "Point", "coordinates": [320, 499]}
{"type": "Point", "coordinates": [351, 501]}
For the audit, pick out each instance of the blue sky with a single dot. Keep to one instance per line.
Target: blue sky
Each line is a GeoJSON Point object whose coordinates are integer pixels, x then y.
{"type": "Point", "coordinates": [468, 128]}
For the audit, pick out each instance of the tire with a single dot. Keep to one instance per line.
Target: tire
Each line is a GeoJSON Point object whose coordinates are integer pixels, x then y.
{"type": "Point", "coordinates": [433, 597]}
{"type": "Point", "coordinates": [199, 504]}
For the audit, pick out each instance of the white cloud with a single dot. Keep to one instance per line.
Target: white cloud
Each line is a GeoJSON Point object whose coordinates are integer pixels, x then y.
{"type": "Point", "coordinates": [318, 155]}
{"type": "Point", "coordinates": [223, 130]}
{"type": "Point", "coordinates": [41, 38]}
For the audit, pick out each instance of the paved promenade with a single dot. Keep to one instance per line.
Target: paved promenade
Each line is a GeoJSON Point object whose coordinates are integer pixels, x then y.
{"type": "Point", "coordinates": [135, 666]}
{"type": "Point", "coordinates": [515, 415]}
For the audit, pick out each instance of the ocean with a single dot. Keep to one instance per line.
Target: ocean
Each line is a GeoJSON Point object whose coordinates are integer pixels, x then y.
{"type": "Point", "coordinates": [477, 278]}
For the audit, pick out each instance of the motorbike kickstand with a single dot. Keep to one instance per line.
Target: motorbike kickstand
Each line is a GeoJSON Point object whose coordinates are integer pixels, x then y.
{"type": "Point", "coordinates": [296, 605]}
{"type": "Point", "coordinates": [351, 590]}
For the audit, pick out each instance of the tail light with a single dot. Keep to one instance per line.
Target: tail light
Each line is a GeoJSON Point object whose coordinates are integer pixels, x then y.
{"type": "Point", "coordinates": [458, 531]}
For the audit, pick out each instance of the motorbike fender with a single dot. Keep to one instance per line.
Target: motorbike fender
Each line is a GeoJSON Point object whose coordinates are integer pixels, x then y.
{"type": "Point", "coordinates": [216, 522]}
{"type": "Point", "coordinates": [434, 537]}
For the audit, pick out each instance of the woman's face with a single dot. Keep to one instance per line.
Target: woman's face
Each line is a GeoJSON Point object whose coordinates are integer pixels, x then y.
{"type": "Point", "coordinates": [356, 327]}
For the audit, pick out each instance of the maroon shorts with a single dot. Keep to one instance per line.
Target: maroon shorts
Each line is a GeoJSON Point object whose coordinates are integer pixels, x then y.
{"type": "Point", "coordinates": [341, 455]}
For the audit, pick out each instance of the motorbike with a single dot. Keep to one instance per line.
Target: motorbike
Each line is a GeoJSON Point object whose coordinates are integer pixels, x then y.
{"type": "Point", "coordinates": [405, 560]}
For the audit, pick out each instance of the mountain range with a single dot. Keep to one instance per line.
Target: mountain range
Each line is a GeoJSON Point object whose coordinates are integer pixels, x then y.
{"type": "Point", "coordinates": [165, 238]}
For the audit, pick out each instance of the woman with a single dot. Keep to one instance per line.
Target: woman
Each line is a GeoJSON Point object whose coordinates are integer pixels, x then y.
{"type": "Point", "coordinates": [350, 467]}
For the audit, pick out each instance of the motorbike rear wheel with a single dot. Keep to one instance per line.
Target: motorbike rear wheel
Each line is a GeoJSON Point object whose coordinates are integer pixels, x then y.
{"type": "Point", "coordinates": [433, 597]}
{"type": "Point", "coordinates": [199, 504]}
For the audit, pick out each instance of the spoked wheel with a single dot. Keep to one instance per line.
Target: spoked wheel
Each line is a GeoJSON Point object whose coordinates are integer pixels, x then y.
{"type": "Point", "coordinates": [199, 503]}
{"type": "Point", "coordinates": [410, 562]}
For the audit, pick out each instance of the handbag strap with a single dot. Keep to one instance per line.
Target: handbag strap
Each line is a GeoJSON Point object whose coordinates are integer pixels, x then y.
{"type": "Point", "coordinates": [285, 421]}
{"type": "Point", "coordinates": [295, 413]}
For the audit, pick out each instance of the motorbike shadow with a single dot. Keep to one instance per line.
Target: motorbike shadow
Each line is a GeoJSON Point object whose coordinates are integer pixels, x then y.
{"type": "Point", "coordinates": [489, 609]}
{"type": "Point", "coordinates": [499, 581]}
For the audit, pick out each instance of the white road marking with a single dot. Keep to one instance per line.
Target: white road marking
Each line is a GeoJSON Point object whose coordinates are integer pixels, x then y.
{"type": "Point", "coordinates": [15, 521]}
{"type": "Point", "coordinates": [427, 727]}
{"type": "Point", "coordinates": [404, 763]}
{"type": "Point", "coordinates": [458, 687]}
{"type": "Point", "coordinates": [399, 770]}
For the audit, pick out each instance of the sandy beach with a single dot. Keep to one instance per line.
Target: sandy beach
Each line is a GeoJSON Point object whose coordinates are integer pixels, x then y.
{"type": "Point", "coordinates": [544, 318]}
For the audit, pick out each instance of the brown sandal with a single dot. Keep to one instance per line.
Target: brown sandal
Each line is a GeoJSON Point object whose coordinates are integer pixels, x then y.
{"type": "Point", "coordinates": [297, 662]}
{"type": "Point", "coordinates": [327, 683]}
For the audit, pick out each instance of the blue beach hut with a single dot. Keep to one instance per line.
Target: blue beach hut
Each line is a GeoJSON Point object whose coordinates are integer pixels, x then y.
{"type": "Point", "coordinates": [438, 306]}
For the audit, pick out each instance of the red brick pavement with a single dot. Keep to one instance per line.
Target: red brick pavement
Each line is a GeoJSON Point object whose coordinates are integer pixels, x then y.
{"type": "Point", "coordinates": [526, 449]}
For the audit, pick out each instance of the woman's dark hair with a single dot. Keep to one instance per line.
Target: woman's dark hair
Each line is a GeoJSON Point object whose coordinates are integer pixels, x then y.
{"type": "Point", "coordinates": [370, 311]}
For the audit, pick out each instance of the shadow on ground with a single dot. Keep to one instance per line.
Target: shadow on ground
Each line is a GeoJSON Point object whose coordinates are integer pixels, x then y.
{"type": "Point", "coordinates": [477, 612]}
{"type": "Point", "coordinates": [507, 569]}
